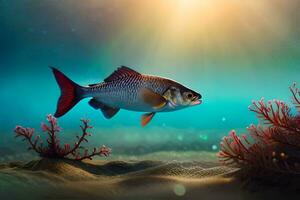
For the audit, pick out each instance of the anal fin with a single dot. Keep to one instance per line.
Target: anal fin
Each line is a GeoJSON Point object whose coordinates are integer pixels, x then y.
{"type": "Point", "coordinates": [146, 118]}
{"type": "Point", "coordinates": [107, 111]}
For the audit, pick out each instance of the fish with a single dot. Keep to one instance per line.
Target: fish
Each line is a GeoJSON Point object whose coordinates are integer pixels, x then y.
{"type": "Point", "coordinates": [126, 89]}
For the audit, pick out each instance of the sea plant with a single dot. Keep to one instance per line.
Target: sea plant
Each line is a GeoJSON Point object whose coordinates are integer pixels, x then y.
{"type": "Point", "coordinates": [273, 145]}
{"type": "Point", "coordinates": [53, 149]}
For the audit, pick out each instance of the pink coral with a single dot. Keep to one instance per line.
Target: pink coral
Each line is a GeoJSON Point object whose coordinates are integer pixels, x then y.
{"type": "Point", "coordinates": [273, 145]}
{"type": "Point", "coordinates": [54, 149]}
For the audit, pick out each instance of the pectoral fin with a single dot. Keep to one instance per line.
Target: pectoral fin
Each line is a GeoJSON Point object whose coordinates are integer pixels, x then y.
{"type": "Point", "coordinates": [153, 99]}
{"type": "Point", "coordinates": [107, 111]}
{"type": "Point", "coordinates": [146, 118]}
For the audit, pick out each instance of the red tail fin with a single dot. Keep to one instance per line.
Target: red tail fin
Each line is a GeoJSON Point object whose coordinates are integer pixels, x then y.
{"type": "Point", "coordinates": [70, 93]}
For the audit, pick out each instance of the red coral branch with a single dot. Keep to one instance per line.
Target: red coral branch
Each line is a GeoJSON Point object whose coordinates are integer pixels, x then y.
{"type": "Point", "coordinates": [295, 96]}
{"type": "Point", "coordinates": [275, 112]}
{"type": "Point", "coordinates": [77, 145]}
{"type": "Point", "coordinates": [102, 151]}
{"type": "Point", "coordinates": [54, 150]}
{"type": "Point", "coordinates": [27, 134]}
{"type": "Point", "coordinates": [274, 145]}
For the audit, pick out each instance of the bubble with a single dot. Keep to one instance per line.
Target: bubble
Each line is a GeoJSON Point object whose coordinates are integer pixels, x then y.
{"type": "Point", "coordinates": [180, 137]}
{"type": "Point", "coordinates": [223, 119]}
{"type": "Point", "coordinates": [214, 147]}
{"type": "Point", "coordinates": [203, 137]}
{"type": "Point", "coordinates": [179, 190]}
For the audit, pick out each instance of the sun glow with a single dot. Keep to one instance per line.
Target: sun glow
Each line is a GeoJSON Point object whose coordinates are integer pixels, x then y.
{"type": "Point", "coordinates": [216, 27]}
{"type": "Point", "coordinates": [192, 4]}
{"type": "Point", "coordinates": [197, 30]}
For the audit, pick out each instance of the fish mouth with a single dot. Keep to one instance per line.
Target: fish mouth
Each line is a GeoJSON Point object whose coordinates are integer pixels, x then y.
{"type": "Point", "coordinates": [196, 101]}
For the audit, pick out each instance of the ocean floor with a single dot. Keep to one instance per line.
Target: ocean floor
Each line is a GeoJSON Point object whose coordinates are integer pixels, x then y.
{"type": "Point", "coordinates": [131, 178]}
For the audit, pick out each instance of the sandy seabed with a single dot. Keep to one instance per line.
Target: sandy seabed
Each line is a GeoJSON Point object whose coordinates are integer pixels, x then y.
{"type": "Point", "coordinates": [133, 180]}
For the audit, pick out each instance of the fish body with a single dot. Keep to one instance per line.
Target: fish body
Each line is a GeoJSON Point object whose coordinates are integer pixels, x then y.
{"type": "Point", "coordinates": [126, 93]}
{"type": "Point", "coordinates": [127, 89]}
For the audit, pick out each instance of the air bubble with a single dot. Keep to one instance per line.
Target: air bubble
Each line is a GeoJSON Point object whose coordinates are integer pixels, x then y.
{"type": "Point", "coordinates": [179, 190]}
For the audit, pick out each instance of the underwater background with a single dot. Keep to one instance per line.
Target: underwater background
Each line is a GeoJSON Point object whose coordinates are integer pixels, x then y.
{"type": "Point", "coordinates": [230, 51]}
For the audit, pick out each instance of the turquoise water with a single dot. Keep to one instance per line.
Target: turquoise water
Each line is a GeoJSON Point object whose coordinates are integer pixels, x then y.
{"type": "Point", "coordinates": [239, 59]}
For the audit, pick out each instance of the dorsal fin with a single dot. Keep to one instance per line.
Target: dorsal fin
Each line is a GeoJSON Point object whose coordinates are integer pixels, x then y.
{"type": "Point", "coordinates": [120, 73]}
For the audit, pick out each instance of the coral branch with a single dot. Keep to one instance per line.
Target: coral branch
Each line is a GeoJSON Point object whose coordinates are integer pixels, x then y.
{"type": "Point", "coordinates": [54, 150]}
{"type": "Point", "coordinates": [275, 112]}
{"type": "Point", "coordinates": [27, 134]}
{"type": "Point", "coordinates": [84, 129]}
{"type": "Point", "coordinates": [295, 96]}
{"type": "Point", "coordinates": [274, 144]}
{"type": "Point", "coordinates": [102, 151]}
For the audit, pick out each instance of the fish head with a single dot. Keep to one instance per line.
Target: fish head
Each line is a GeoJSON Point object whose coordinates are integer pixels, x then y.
{"type": "Point", "coordinates": [180, 96]}
{"type": "Point", "coordinates": [191, 98]}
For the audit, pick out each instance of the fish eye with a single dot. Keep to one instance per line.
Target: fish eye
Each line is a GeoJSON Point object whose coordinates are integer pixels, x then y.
{"type": "Point", "coordinates": [190, 95]}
